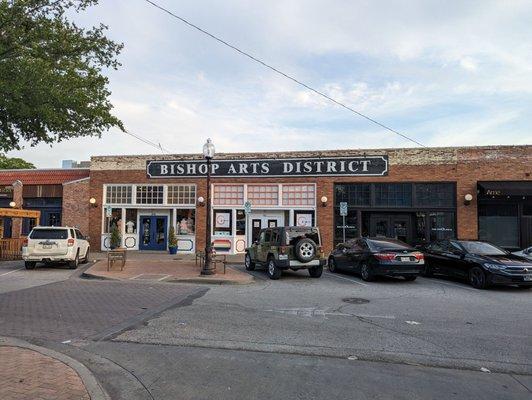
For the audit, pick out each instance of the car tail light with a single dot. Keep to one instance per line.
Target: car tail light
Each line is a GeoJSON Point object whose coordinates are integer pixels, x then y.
{"type": "Point", "coordinates": [70, 242]}
{"type": "Point", "coordinates": [283, 249]}
{"type": "Point", "coordinates": [25, 242]}
{"type": "Point", "coordinates": [385, 256]}
{"type": "Point", "coordinates": [419, 256]}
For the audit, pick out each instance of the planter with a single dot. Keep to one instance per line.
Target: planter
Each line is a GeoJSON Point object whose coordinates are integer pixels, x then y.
{"type": "Point", "coordinates": [172, 249]}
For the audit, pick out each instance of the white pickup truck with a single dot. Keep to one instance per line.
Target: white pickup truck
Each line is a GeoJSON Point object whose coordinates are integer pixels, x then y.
{"type": "Point", "coordinates": [50, 244]}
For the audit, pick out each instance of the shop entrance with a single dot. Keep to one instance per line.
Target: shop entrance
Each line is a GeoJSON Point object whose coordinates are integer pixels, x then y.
{"type": "Point", "coordinates": [262, 221]}
{"type": "Point", "coordinates": [397, 226]}
{"type": "Point", "coordinates": [153, 232]}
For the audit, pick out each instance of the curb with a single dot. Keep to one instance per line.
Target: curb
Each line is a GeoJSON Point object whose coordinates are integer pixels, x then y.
{"type": "Point", "coordinates": [94, 389]}
{"type": "Point", "coordinates": [211, 281]}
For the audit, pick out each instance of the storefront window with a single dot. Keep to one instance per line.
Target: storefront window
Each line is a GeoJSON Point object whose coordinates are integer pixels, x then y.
{"type": "Point", "coordinates": [240, 222]}
{"type": "Point", "coordinates": [263, 195]}
{"type": "Point", "coordinates": [498, 224]}
{"type": "Point", "coordinates": [350, 228]}
{"type": "Point", "coordinates": [304, 218]}
{"type": "Point", "coordinates": [434, 195]}
{"type": "Point", "coordinates": [222, 222]}
{"type": "Point", "coordinates": [228, 195]}
{"type": "Point", "coordinates": [114, 220]}
{"type": "Point", "coordinates": [149, 194]}
{"type": "Point", "coordinates": [181, 194]}
{"type": "Point", "coordinates": [421, 228]}
{"type": "Point", "coordinates": [186, 222]}
{"type": "Point", "coordinates": [441, 225]}
{"type": "Point", "coordinates": [393, 195]}
{"type": "Point", "coordinates": [118, 194]}
{"type": "Point", "coordinates": [354, 194]}
{"type": "Point", "coordinates": [299, 195]}
{"type": "Point", "coordinates": [131, 221]}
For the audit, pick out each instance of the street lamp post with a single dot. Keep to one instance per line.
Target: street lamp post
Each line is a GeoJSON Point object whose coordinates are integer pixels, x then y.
{"type": "Point", "coordinates": [208, 267]}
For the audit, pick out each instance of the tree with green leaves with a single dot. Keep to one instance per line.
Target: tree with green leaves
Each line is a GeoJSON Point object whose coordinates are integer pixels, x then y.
{"type": "Point", "coordinates": [14, 163]}
{"type": "Point", "coordinates": [52, 85]}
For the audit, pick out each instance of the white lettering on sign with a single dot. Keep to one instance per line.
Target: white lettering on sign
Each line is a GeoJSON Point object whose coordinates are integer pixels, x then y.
{"type": "Point", "coordinates": [164, 169]}
{"type": "Point", "coordinates": [288, 167]}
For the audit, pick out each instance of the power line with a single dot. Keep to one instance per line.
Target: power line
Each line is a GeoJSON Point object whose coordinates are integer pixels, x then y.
{"type": "Point", "coordinates": [158, 146]}
{"type": "Point", "coordinates": [242, 52]}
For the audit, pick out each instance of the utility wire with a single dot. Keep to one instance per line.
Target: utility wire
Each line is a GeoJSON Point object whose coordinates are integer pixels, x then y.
{"type": "Point", "coordinates": [242, 52]}
{"type": "Point", "coordinates": [147, 141]}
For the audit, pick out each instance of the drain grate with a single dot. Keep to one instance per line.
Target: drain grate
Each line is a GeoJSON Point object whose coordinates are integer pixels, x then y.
{"type": "Point", "coordinates": [355, 300]}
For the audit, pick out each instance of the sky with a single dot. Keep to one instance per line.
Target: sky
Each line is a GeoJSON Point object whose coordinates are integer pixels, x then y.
{"type": "Point", "coordinates": [445, 73]}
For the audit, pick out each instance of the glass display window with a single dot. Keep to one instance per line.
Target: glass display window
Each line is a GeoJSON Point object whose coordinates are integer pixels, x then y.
{"type": "Point", "coordinates": [186, 222]}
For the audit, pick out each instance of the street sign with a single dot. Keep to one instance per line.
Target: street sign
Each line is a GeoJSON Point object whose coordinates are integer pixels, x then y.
{"type": "Point", "coordinates": [247, 207]}
{"type": "Point", "coordinates": [343, 208]}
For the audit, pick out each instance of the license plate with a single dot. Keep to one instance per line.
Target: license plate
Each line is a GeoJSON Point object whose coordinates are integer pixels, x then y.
{"type": "Point", "coordinates": [405, 259]}
{"type": "Point", "coordinates": [46, 246]}
{"type": "Point", "coordinates": [528, 278]}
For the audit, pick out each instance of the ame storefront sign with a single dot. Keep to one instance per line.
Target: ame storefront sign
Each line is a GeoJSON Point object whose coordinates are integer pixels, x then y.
{"type": "Point", "coordinates": [342, 166]}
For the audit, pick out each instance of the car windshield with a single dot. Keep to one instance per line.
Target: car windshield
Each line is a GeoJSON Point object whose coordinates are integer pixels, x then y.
{"type": "Point", "coordinates": [294, 234]}
{"type": "Point", "coordinates": [389, 245]}
{"type": "Point", "coordinates": [482, 248]}
{"type": "Point", "coordinates": [49, 234]}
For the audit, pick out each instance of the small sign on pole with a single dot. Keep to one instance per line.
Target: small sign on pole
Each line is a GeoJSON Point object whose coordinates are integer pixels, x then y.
{"type": "Point", "coordinates": [343, 214]}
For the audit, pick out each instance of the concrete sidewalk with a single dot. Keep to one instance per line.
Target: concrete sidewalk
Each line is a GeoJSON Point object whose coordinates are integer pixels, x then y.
{"type": "Point", "coordinates": [32, 372]}
{"type": "Point", "coordinates": [164, 269]}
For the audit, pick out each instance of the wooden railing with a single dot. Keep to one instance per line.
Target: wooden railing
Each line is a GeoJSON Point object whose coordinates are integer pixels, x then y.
{"type": "Point", "coordinates": [11, 249]}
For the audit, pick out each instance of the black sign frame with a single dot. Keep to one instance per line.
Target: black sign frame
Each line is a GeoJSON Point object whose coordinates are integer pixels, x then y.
{"type": "Point", "coordinates": [374, 165]}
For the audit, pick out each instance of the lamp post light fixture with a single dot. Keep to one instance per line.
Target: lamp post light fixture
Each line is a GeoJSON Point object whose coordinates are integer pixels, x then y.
{"type": "Point", "coordinates": [208, 267]}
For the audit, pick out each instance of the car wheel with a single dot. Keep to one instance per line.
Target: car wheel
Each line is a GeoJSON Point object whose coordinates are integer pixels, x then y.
{"type": "Point", "coordinates": [305, 250]}
{"type": "Point", "coordinates": [410, 278]}
{"type": "Point", "coordinates": [477, 278]}
{"type": "Point", "coordinates": [332, 265]}
{"type": "Point", "coordinates": [30, 264]}
{"type": "Point", "coordinates": [250, 265]}
{"type": "Point", "coordinates": [315, 272]}
{"type": "Point", "coordinates": [274, 272]}
{"type": "Point", "coordinates": [74, 263]}
{"type": "Point", "coordinates": [86, 258]}
{"type": "Point", "coordinates": [366, 273]}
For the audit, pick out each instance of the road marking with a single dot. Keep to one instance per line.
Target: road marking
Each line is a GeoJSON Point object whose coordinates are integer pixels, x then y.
{"type": "Point", "coordinates": [15, 270]}
{"type": "Point", "coordinates": [413, 323]}
{"type": "Point", "coordinates": [136, 276]}
{"type": "Point", "coordinates": [164, 277]}
{"type": "Point", "coordinates": [437, 281]}
{"type": "Point", "coordinates": [313, 312]}
{"type": "Point", "coordinates": [345, 279]}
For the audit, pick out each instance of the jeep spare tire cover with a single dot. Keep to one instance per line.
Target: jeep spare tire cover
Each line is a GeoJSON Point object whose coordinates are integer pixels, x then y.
{"type": "Point", "coordinates": [305, 249]}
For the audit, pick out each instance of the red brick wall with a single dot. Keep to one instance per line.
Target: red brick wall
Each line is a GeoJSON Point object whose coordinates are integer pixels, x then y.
{"type": "Point", "coordinates": [76, 206]}
{"type": "Point", "coordinates": [469, 166]}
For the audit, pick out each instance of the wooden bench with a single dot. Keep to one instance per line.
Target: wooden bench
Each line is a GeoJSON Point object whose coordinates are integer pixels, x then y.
{"type": "Point", "coordinates": [116, 255]}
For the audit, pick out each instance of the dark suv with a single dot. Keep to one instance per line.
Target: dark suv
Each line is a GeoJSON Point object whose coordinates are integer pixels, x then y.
{"type": "Point", "coordinates": [284, 248]}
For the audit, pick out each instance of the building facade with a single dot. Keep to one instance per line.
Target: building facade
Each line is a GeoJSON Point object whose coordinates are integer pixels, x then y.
{"type": "Point", "coordinates": [43, 190]}
{"type": "Point", "coordinates": [416, 195]}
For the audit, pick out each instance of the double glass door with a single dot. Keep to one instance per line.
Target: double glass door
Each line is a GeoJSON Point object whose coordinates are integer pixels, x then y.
{"type": "Point", "coordinates": [398, 226]}
{"type": "Point", "coordinates": [153, 234]}
{"type": "Point", "coordinates": [259, 222]}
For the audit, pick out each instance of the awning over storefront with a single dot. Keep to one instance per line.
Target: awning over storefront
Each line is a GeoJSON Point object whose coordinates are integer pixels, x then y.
{"type": "Point", "coordinates": [501, 188]}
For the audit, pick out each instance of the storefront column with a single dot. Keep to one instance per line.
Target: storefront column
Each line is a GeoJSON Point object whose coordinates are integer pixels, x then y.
{"type": "Point", "coordinates": [466, 214]}
{"type": "Point", "coordinates": [201, 216]}
{"type": "Point", "coordinates": [325, 214]}
{"type": "Point", "coordinates": [16, 224]}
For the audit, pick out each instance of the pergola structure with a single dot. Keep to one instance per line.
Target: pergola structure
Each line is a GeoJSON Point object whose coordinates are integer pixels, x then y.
{"type": "Point", "coordinates": [10, 249]}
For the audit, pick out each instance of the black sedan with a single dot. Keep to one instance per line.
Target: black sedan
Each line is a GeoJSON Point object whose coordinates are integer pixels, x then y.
{"type": "Point", "coordinates": [372, 257]}
{"type": "Point", "coordinates": [481, 263]}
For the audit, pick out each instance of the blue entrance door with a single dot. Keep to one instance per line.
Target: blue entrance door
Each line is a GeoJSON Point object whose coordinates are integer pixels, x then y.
{"type": "Point", "coordinates": [153, 232]}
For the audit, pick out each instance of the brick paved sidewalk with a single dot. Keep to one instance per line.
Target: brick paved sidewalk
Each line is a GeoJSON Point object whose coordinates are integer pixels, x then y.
{"type": "Point", "coordinates": [28, 374]}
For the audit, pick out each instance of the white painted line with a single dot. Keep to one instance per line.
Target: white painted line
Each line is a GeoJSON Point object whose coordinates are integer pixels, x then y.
{"type": "Point", "coordinates": [135, 277]}
{"type": "Point", "coordinates": [374, 316]}
{"type": "Point", "coordinates": [345, 279]}
{"type": "Point", "coordinates": [413, 323]}
{"type": "Point", "coordinates": [164, 277]}
{"type": "Point", "coordinates": [438, 281]}
{"type": "Point", "coordinates": [15, 270]}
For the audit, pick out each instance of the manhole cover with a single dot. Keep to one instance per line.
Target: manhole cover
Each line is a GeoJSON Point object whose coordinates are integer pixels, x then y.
{"type": "Point", "coordinates": [355, 300]}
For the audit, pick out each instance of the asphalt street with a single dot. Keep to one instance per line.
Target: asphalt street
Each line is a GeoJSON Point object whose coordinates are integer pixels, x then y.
{"type": "Point", "coordinates": [333, 337]}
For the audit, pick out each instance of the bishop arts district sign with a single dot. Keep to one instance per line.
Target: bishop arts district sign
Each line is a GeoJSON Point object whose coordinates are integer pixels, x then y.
{"type": "Point", "coordinates": [341, 166]}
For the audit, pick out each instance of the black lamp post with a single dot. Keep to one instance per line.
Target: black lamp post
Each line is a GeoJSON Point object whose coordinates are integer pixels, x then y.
{"type": "Point", "coordinates": [208, 267]}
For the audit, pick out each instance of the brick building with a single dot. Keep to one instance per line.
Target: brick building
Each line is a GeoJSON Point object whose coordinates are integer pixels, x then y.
{"type": "Point", "coordinates": [416, 195]}
{"type": "Point", "coordinates": [44, 190]}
